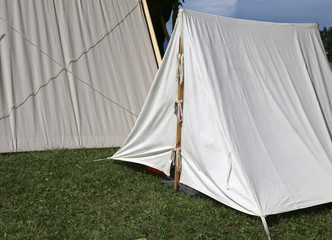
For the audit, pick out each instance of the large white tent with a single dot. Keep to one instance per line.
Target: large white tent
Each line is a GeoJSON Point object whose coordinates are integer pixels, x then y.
{"type": "Point", "coordinates": [256, 114]}
{"type": "Point", "coordinates": [73, 73]}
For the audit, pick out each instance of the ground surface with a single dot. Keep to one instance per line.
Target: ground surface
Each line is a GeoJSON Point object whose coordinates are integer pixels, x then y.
{"type": "Point", "coordinates": [63, 194]}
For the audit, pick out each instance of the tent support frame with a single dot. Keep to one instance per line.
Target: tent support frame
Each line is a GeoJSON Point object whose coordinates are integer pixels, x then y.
{"type": "Point", "coordinates": [178, 127]}
{"type": "Point", "coordinates": [152, 32]}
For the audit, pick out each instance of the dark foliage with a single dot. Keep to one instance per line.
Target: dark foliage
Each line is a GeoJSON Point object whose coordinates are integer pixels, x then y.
{"type": "Point", "coordinates": [326, 35]}
{"type": "Point", "coordinates": [162, 8]}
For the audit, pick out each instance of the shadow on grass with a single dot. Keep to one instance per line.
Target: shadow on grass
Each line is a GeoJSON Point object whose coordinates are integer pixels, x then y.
{"type": "Point", "coordinates": [319, 209]}
{"type": "Point", "coordinates": [137, 167]}
{"type": "Point", "coordinates": [273, 220]}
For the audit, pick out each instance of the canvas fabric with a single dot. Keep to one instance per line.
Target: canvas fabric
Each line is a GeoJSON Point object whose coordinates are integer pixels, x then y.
{"type": "Point", "coordinates": [73, 74]}
{"type": "Point", "coordinates": [256, 131]}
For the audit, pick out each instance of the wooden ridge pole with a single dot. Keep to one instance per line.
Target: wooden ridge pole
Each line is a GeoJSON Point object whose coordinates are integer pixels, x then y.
{"type": "Point", "coordinates": [152, 33]}
{"type": "Point", "coordinates": [178, 128]}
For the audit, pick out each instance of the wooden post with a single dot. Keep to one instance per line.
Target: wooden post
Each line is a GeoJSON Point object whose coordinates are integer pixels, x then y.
{"type": "Point", "coordinates": [178, 128]}
{"type": "Point", "coordinates": [152, 33]}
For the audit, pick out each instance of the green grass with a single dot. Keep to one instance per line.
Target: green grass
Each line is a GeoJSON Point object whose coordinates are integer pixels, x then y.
{"type": "Point", "coordinates": [63, 194]}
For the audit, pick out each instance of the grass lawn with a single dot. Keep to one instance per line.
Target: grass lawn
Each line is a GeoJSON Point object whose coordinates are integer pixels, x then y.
{"type": "Point", "coordinates": [63, 194]}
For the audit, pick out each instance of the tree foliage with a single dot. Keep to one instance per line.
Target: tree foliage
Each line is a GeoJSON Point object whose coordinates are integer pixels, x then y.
{"type": "Point", "coordinates": [326, 35]}
{"type": "Point", "coordinates": [162, 9]}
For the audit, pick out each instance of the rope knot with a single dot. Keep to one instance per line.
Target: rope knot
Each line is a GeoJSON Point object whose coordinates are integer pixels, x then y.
{"type": "Point", "coordinates": [180, 70]}
{"type": "Point", "coordinates": [178, 111]}
{"type": "Point", "coordinates": [176, 156]}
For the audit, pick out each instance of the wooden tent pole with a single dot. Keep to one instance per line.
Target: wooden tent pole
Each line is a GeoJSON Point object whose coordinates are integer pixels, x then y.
{"type": "Point", "coordinates": [178, 128]}
{"type": "Point", "coordinates": [152, 33]}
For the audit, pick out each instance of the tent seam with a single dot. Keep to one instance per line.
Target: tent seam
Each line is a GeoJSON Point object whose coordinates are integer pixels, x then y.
{"type": "Point", "coordinates": [65, 67]}
{"type": "Point", "coordinates": [73, 101]}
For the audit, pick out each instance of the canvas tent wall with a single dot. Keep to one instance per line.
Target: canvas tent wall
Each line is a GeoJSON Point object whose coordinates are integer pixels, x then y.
{"type": "Point", "coordinates": [73, 74]}
{"type": "Point", "coordinates": [256, 130]}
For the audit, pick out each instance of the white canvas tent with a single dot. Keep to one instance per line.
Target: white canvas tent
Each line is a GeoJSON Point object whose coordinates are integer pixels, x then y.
{"type": "Point", "coordinates": [256, 129]}
{"type": "Point", "coordinates": [73, 74]}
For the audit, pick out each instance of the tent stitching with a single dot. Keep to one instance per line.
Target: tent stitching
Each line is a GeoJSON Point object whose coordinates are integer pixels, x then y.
{"type": "Point", "coordinates": [36, 90]}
